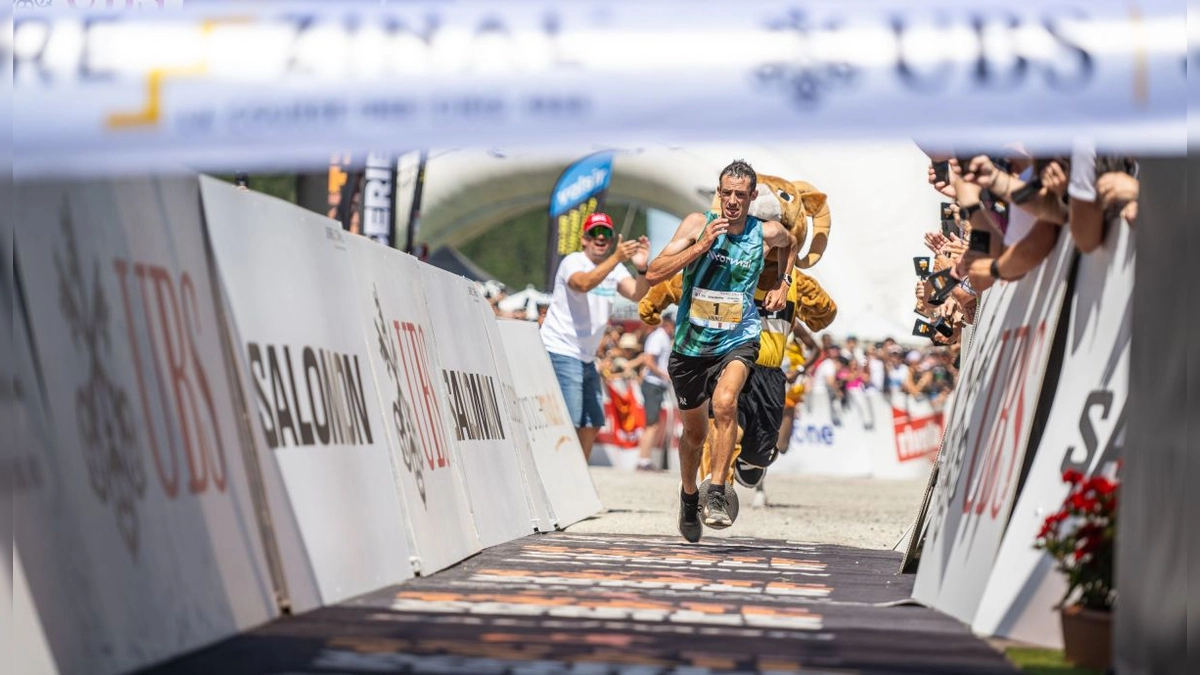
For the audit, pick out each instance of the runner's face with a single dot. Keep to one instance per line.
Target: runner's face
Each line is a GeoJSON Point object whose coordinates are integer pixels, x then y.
{"type": "Point", "coordinates": [735, 195]}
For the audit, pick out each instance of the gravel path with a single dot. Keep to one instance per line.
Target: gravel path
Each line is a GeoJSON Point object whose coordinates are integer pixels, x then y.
{"type": "Point", "coordinates": [866, 513]}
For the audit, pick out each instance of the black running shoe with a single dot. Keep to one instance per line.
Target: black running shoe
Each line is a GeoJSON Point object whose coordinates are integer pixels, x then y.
{"type": "Point", "coordinates": [716, 511]}
{"type": "Point", "coordinates": [689, 520]}
{"type": "Point", "coordinates": [748, 474]}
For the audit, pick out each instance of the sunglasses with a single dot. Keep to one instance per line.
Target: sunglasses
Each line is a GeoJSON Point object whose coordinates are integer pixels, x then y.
{"type": "Point", "coordinates": [600, 232]}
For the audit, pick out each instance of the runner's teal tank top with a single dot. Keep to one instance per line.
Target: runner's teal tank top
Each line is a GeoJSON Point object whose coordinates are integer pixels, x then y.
{"type": "Point", "coordinates": [717, 312]}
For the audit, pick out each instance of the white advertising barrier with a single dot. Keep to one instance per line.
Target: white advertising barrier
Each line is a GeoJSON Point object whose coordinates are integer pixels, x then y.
{"type": "Point", "coordinates": [308, 379]}
{"type": "Point", "coordinates": [480, 428]}
{"type": "Point", "coordinates": [539, 501]}
{"type": "Point", "coordinates": [560, 463]}
{"type": "Point", "coordinates": [830, 440]}
{"type": "Point", "coordinates": [873, 435]}
{"type": "Point", "coordinates": [402, 346]}
{"type": "Point", "coordinates": [1085, 431]}
{"type": "Point", "coordinates": [150, 90]}
{"type": "Point", "coordinates": [986, 433]}
{"type": "Point", "coordinates": [25, 452]}
{"type": "Point", "coordinates": [140, 539]}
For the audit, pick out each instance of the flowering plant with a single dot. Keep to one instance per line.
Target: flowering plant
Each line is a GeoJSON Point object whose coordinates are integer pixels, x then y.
{"type": "Point", "coordinates": [1080, 536]}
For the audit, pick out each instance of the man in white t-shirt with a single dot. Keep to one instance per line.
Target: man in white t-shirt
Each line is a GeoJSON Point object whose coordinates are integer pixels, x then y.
{"type": "Point", "coordinates": [584, 287]}
{"type": "Point", "coordinates": [656, 356]}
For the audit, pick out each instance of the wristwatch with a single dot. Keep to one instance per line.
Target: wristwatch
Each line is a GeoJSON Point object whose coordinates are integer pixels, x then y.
{"type": "Point", "coordinates": [788, 279]}
{"type": "Point", "coordinates": [995, 269]}
{"type": "Point", "coordinates": [965, 212]}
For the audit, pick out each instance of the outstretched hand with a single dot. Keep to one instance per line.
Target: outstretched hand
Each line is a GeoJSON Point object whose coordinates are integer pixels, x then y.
{"type": "Point", "coordinates": [641, 258]}
{"type": "Point", "coordinates": [626, 250]}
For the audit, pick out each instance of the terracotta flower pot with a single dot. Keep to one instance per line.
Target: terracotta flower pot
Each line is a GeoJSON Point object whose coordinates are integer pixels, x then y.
{"type": "Point", "coordinates": [1087, 637]}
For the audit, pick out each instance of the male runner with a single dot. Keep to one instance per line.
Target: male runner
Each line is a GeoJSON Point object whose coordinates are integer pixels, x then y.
{"type": "Point", "coordinates": [717, 337]}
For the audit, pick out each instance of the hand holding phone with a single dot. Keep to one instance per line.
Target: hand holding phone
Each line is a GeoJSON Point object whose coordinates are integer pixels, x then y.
{"type": "Point", "coordinates": [941, 283]}
{"type": "Point", "coordinates": [941, 171]}
{"type": "Point", "coordinates": [1028, 192]}
{"type": "Point", "coordinates": [942, 326]}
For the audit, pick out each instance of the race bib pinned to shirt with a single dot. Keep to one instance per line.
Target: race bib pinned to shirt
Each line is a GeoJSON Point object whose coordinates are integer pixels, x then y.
{"type": "Point", "coordinates": [719, 310]}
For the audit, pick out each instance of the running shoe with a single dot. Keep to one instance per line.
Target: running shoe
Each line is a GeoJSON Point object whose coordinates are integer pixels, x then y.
{"type": "Point", "coordinates": [716, 511]}
{"type": "Point", "coordinates": [689, 520]}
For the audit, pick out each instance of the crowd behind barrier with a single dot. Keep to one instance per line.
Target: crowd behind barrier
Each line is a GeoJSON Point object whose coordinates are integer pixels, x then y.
{"type": "Point", "coordinates": [230, 409]}
{"type": "Point", "coordinates": [1030, 271]}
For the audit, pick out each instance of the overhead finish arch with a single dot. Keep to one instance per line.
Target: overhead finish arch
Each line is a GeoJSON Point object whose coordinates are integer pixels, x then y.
{"type": "Point", "coordinates": [468, 192]}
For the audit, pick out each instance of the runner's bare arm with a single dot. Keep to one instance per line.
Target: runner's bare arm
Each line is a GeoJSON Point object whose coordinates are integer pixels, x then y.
{"type": "Point", "coordinates": [691, 240]}
{"type": "Point", "coordinates": [777, 237]}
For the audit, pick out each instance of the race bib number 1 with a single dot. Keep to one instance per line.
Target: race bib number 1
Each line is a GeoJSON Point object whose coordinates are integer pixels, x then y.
{"type": "Point", "coordinates": [720, 310]}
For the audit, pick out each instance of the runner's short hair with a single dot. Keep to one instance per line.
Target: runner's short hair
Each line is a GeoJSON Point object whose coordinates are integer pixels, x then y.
{"type": "Point", "coordinates": [740, 168]}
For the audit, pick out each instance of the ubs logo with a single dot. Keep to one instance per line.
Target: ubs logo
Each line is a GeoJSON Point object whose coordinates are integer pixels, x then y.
{"type": "Point", "coordinates": [103, 416]}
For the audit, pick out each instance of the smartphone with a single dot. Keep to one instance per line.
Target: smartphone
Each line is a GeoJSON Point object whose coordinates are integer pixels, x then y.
{"type": "Point", "coordinates": [923, 329]}
{"type": "Point", "coordinates": [947, 210]}
{"type": "Point", "coordinates": [921, 266]}
{"type": "Point", "coordinates": [981, 241]}
{"type": "Point", "coordinates": [941, 171]}
{"type": "Point", "coordinates": [943, 327]}
{"type": "Point", "coordinates": [950, 227]}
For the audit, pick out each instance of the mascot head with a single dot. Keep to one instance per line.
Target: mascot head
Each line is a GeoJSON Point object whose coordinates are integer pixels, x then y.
{"type": "Point", "coordinates": [791, 203]}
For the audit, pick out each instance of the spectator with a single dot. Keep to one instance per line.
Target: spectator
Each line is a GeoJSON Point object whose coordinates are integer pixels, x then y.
{"type": "Point", "coordinates": [584, 287]}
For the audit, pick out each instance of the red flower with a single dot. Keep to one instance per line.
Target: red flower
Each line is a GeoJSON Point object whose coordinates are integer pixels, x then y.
{"type": "Point", "coordinates": [1103, 485]}
{"type": "Point", "coordinates": [1079, 536]}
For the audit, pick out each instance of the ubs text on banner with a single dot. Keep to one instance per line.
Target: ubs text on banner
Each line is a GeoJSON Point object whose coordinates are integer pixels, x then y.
{"type": "Point", "coordinates": [142, 499]}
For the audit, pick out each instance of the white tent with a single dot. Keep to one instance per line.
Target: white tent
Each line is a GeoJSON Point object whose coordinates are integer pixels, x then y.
{"type": "Point", "coordinates": [526, 300]}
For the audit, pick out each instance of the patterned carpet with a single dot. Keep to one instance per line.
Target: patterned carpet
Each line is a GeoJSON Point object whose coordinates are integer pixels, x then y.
{"type": "Point", "coordinates": [624, 605]}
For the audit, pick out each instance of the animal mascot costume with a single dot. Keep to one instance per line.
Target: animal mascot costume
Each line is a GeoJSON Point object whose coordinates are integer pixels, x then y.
{"type": "Point", "coordinates": [791, 203]}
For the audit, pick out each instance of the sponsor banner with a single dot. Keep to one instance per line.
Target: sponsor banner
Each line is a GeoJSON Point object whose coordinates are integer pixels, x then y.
{"type": "Point", "coordinates": [480, 427]}
{"type": "Point", "coordinates": [539, 500]}
{"type": "Point", "coordinates": [578, 193]}
{"type": "Point", "coordinates": [1085, 431]}
{"type": "Point", "coordinates": [135, 522]}
{"type": "Point", "coordinates": [986, 433]}
{"type": "Point", "coordinates": [157, 90]}
{"type": "Point", "coordinates": [402, 353]}
{"type": "Point", "coordinates": [556, 450]}
{"type": "Point", "coordinates": [870, 435]}
{"type": "Point", "coordinates": [379, 181]}
{"type": "Point", "coordinates": [310, 385]}
{"type": "Point", "coordinates": [25, 454]}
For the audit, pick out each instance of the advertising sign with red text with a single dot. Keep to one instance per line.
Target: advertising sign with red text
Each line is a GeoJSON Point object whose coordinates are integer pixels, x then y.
{"type": "Point", "coordinates": [141, 502]}
{"type": "Point", "coordinates": [1085, 432]}
{"type": "Point", "coordinates": [402, 352]}
{"type": "Point", "coordinates": [481, 427]}
{"type": "Point", "coordinates": [310, 386]}
{"type": "Point", "coordinates": [987, 429]}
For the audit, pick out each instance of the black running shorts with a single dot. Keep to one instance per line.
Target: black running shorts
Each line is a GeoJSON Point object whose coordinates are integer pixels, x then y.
{"type": "Point", "coordinates": [695, 377]}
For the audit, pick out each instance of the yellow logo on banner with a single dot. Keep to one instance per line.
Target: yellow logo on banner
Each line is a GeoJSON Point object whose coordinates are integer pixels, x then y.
{"type": "Point", "coordinates": [570, 226]}
{"type": "Point", "coordinates": [149, 115]}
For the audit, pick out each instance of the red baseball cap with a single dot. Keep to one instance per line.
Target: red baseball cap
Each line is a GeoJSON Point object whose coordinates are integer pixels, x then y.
{"type": "Point", "coordinates": [597, 220]}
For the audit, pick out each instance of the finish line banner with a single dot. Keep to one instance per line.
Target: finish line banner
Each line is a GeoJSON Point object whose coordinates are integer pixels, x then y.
{"type": "Point", "coordinates": [104, 91]}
